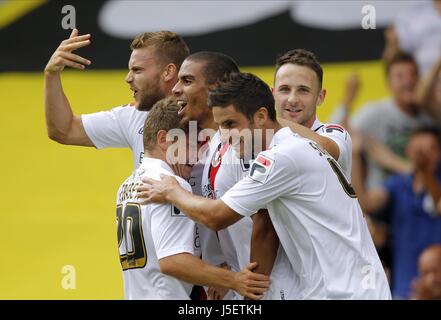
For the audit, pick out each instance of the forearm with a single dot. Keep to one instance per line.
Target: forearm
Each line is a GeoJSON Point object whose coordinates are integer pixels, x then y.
{"type": "Point", "coordinates": [264, 243]}
{"type": "Point", "coordinates": [328, 144]}
{"type": "Point", "coordinates": [191, 269]}
{"type": "Point", "coordinates": [384, 157]}
{"type": "Point", "coordinates": [59, 114]}
{"type": "Point", "coordinates": [202, 210]}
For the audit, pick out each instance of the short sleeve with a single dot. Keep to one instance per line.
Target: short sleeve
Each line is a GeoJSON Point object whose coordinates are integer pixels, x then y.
{"type": "Point", "coordinates": [343, 140]}
{"type": "Point", "coordinates": [109, 128]}
{"type": "Point", "coordinates": [266, 181]}
{"type": "Point", "coordinates": [172, 231]}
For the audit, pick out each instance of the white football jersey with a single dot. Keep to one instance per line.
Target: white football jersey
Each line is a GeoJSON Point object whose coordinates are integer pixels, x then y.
{"type": "Point", "coordinates": [148, 233]}
{"type": "Point", "coordinates": [235, 240]}
{"type": "Point", "coordinates": [120, 127]}
{"type": "Point", "coordinates": [343, 140]}
{"type": "Point", "coordinates": [209, 242]}
{"type": "Point", "coordinates": [317, 219]}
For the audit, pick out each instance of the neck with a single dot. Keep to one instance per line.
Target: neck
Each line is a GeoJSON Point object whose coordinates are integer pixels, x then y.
{"type": "Point", "coordinates": [156, 153]}
{"type": "Point", "coordinates": [310, 122]}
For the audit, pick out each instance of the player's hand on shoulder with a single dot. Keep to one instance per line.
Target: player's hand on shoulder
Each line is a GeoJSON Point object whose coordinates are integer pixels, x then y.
{"type": "Point", "coordinates": [156, 191]}
{"type": "Point", "coordinates": [63, 56]}
{"type": "Point", "coordinates": [251, 285]}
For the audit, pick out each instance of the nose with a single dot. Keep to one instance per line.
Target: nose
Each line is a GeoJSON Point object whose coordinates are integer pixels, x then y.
{"type": "Point", "coordinates": [292, 98]}
{"type": "Point", "coordinates": [129, 77]}
{"type": "Point", "coordinates": [177, 89]}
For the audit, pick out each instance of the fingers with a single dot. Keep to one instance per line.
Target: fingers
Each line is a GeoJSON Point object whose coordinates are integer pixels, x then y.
{"type": "Point", "coordinates": [76, 39]}
{"type": "Point", "coordinates": [75, 58]}
{"type": "Point", "coordinates": [148, 180]}
{"type": "Point", "coordinates": [251, 266]}
{"type": "Point", "coordinates": [144, 197]}
{"type": "Point", "coordinates": [253, 296]}
{"type": "Point", "coordinates": [75, 45]}
{"type": "Point", "coordinates": [259, 277]}
{"type": "Point", "coordinates": [143, 187]}
{"type": "Point", "coordinates": [262, 284]}
{"type": "Point", "coordinates": [72, 64]}
{"type": "Point", "coordinates": [74, 33]}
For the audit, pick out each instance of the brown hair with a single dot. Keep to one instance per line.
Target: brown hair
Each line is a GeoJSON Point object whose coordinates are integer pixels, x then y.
{"type": "Point", "coordinates": [170, 47]}
{"type": "Point", "coordinates": [399, 57]}
{"type": "Point", "coordinates": [163, 116]}
{"type": "Point", "coordinates": [301, 57]}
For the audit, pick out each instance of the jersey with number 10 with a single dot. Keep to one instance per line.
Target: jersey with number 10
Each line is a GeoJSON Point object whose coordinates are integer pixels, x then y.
{"type": "Point", "coordinates": [149, 233]}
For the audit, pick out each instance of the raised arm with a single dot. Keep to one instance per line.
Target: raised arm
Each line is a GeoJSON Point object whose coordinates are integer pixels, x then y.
{"type": "Point", "coordinates": [62, 125]}
{"type": "Point", "coordinates": [425, 86]}
{"type": "Point", "coordinates": [191, 269]}
{"type": "Point", "coordinates": [385, 157]}
{"type": "Point", "coordinates": [214, 214]}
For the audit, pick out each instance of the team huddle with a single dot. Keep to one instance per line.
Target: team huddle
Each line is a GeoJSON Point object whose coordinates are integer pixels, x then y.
{"type": "Point", "coordinates": [265, 211]}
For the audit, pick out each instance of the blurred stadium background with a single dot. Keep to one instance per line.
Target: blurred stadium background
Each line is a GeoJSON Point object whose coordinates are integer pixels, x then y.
{"type": "Point", "coordinates": [58, 201]}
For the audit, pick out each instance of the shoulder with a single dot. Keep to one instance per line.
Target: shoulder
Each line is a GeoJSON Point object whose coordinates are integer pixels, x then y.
{"type": "Point", "coordinates": [331, 128]}
{"type": "Point", "coordinates": [130, 111]}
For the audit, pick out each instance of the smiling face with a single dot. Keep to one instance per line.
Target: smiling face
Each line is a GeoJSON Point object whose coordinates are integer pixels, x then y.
{"type": "Point", "coordinates": [144, 78]}
{"type": "Point", "coordinates": [403, 79]}
{"type": "Point", "coordinates": [297, 93]}
{"type": "Point", "coordinates": [191, 92]}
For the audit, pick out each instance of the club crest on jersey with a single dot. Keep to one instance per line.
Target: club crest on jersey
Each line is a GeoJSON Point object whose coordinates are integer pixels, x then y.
{"type": "Point", "coordinates": [175, 212]}
{"type": "Point", "coordinates": [261, 168]}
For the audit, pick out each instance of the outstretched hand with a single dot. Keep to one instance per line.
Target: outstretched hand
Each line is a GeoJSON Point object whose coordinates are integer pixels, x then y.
{"type": "Point", "coordinates": [156, 191]}
{"type": "Point", "coordinates": [63, 56]}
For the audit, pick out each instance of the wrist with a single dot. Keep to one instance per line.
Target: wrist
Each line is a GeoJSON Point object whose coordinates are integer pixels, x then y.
{"type": "Point", "coordinates": [171, 194]}
{"type": "Point", "coordinates": [48, 73]}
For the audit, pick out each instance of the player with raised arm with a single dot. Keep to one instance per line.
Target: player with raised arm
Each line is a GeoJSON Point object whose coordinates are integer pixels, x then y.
{"type": "Point", "coordinates": [156, 240]}
{"type": "Point", "coordinates": [153, 71]}
{"type": "Point", "coordinates": [311, 204]}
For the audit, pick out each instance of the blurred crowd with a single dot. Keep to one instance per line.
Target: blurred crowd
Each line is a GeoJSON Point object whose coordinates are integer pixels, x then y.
{"type": "Point", "coordinates": [397, 153]}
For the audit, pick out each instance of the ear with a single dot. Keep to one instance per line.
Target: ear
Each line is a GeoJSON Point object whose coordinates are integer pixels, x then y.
{"type": "Point", "coordinates": [272, 90]}
{"type": "Point", "coordinates": [260, 117]}
{"type": "Point", "coordinates": [170, 72]}
{"type": "Point", "coordinates": [321, 97]}
{"type": "Point", "coordinates": [161, 140]}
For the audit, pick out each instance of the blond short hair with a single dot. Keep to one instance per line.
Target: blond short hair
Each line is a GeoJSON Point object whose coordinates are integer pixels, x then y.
{"type": "Point", "coordinates": [169, 46]}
